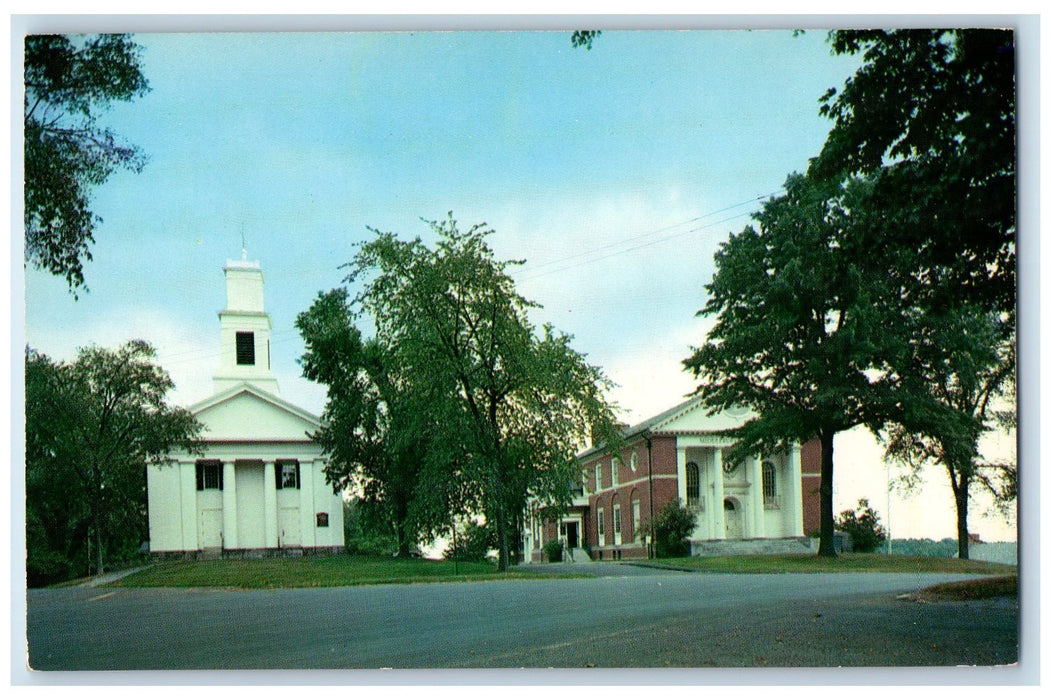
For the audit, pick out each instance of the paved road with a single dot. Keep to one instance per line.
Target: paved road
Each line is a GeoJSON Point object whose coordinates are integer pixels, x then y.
{"type": "Point", "coordinates": [624, 616]}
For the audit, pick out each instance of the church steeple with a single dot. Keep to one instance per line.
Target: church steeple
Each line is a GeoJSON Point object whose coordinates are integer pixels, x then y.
{"type": "Point", "coordinates": [244, 329]}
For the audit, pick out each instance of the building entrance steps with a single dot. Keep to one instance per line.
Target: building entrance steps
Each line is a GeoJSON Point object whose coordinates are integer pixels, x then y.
{"type": "Point", "coordinates": [777, 545]}
{"type": "Point", "coordinates": [574, 555]}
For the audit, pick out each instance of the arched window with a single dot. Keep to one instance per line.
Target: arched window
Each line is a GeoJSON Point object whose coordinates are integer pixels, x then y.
{"type": "Point", "coordinates": [769, 483]}
{"type": "Point", "coordinates": [693, 484]}
{"type": "Point", "coordinates": [635, 460]}
{"type": "Point", "coordinates": [614, 468]}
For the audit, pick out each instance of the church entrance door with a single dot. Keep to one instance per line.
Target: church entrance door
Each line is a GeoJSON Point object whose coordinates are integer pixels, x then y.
{"type": "Point", "coordinates": [732, 518]}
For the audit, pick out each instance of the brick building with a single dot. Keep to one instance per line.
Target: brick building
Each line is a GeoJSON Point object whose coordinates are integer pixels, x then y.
{"type": "Point", "coordinates": [677, 455]}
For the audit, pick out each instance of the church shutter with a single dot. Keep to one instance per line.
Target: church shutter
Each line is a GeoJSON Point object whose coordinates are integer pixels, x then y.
{"type": "Point", "coordinates": [200, 476]}
{"type": "Point", "coordinates": [277, 475]}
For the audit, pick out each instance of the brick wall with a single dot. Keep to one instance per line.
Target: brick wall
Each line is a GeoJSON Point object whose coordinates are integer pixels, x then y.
{"type": "Point", "coordinates": [810, 460]}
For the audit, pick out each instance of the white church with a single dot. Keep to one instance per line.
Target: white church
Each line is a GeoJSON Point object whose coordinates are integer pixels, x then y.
{"type": "Point", "coordinates": [259, 489]}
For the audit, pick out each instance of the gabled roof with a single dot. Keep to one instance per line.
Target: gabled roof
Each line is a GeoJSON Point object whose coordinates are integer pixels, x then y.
{"type": "Point", "coordinates": [267, 416]}
{"type": "Point", "coordinates": [247, 387]}
{"type": "Point", "coordinates": [670, 422]}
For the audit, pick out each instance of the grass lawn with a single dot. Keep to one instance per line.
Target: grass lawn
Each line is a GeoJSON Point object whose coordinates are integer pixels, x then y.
{"type": "Point", "coordinates": [978, 589]}
{"type": "Point", "coordinates": [810, 563]}
{"type": "Point", "coordinates": [308, 572]}
{"type": "Point", "coordinates": [346, 570]}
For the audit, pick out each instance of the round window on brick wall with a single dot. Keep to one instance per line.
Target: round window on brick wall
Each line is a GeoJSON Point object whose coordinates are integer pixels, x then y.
{"type": "Point", "coordinates": [634, 461]}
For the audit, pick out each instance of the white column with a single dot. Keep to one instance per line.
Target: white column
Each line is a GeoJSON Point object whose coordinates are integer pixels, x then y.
{"type": "Point", "coordinates": [753, 465]}
{"type": "Point", "coordinates": [717, 494]}
{"type": "Point", "coordinates": [795, 491]}
{"type": "Point", "coordinates": [307, 524]}
{"type": "Point", "coordinates": [680, 464]}
{"type": "Point", "coordinates": [188, 515]}
{"type": "Point", "coordinates": [229, 506]}
{"type": "Point", "coordinates": [269, 505]}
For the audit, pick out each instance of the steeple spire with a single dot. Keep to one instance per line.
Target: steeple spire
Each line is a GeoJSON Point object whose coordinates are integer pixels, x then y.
{"type": "Point", "coordinates": [244, 329]}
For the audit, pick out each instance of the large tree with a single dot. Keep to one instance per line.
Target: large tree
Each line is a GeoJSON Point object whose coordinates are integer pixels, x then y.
{"type": "Point", "coordinates": [801, 327]}
{"type": "Point", "coordinates": [376, 426]}
{"type": "Point", "coordinates": [92, 427]}
{"type": "Point", "coordinates": [962, 365]}
{"type": "Point", "coordinates": [509, 405]}
{"type": "Point", "coordinates": [68, 81]}
{"type": "Point", "coordinates": [929, 118]}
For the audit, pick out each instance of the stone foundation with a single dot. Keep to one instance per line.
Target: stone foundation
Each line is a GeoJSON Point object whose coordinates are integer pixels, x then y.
{"type": "Point", "coordinates": [773, 545]}
{"type": "Point", "coordinates": [269, 553]}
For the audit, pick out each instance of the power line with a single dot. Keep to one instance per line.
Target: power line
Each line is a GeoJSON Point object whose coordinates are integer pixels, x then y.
{"type": "Point", "coordinates": [285, 335]}
{"type": "Point", "coordinates": [624, 241]}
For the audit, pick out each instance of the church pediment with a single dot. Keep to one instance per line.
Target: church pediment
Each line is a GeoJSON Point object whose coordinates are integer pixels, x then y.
{"type": "Point", "coordinates": [245, 412]}
{"type": "Point", "coordinates": [693, 417]}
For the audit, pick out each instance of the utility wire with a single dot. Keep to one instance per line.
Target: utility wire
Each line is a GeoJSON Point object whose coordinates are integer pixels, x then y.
{"type": "Point", "coordinates": [624, 241]}
{"type": "Point", "coordinates": [532, 271]}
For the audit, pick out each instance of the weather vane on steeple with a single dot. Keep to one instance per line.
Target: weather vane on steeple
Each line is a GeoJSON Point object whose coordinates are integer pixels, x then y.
{"type": "Point", "coordinates": [244, 247]}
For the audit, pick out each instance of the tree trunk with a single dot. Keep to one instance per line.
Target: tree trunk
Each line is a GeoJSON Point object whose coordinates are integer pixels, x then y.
{"type": "Point", "coordinates": [960, 494]}
{"type": "Point", "coordinates": [402, 529]}
{"type": "Point", "coordinates": [403, 539]}
{"type": "Point", "coordinates": [98, 551]}
{"type": "Point", "coordinates": [827, 545]}
{"type": "Point", "coordinates": [501, 533]}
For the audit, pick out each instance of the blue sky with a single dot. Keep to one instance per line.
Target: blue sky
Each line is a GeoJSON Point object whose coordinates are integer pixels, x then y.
{"type": "Point", "coordinates": [614, 172]}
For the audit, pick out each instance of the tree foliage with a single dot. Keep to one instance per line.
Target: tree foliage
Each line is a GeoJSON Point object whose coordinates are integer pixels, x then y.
{"type": "Point", "coordinates": [500, 408]}
{"type": "Point", "coordinates": [366, 529]}
{"type": "Point", "coordinates": [929, 117]}
{"type": "Point", "coordinates": [802, 327]}
{"type": "Point", "coordinates": [68, 81]}
{"type": "Point", "coordinates": [374, 430]}
{"type": "Point", "coordinates": [864, 527]}
{"type": "Point", "coordinates": [962, 365]}
{"type": "Point", "coordinates": [472, 543]}
{"type": "Point", "coordinates": [671, 529]}
{"type": "Point", "coordinates": [584, 37]}
{"type": "Point", "coordinates": [929, 120]}
{"type": "Point", "coordinates": [92, 427]}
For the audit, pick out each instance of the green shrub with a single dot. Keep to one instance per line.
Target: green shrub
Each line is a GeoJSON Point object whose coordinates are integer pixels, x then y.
{"type": "Point", "coordinates": [671, 528]}
{"type": "Point", "coordinates": [553, 550]}
{"type": "Point", "coordinates": [473, 543]}
{"type": "Point", "coordinates": [863, 526]}
{"type": "Point", "coordinates": [364, 530]}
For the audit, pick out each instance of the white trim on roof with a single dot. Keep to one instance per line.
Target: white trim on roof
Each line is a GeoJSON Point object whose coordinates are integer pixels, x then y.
{"type": "Point", "coordinates": [248, 388]}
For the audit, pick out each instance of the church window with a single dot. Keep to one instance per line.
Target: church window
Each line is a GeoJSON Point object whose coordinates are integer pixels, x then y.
{"type": "Point", "coordinates": [693, 484]}
{"type": "Point", "coordinates": [614, 467]}
{"type": "Point", "coordinates": [601, 522]}
{"type": "Point", "coordinates": [769, 483]}
{"type": "Point", "coordinates": [598, 477]}
{"type": "Point", "coordinates": [287, 474]}
{"type": "Point", "coordinates": [209, 475]}
{"type": "Point", "coordinates": [245, 348]}
{"type": "Point", "coordinates": [636, 517]}
{"type": "Point", "coordinates": [616, 524]}
{"type": "Point", "coordinates": [634, 461]}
